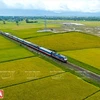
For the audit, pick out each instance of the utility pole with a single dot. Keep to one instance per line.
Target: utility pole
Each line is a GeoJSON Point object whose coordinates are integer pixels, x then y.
{"type": "Point", "coordinates": [45, 23]}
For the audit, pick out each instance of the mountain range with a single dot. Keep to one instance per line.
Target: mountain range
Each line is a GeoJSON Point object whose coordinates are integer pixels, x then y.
{"type": "Point", "coordinates": [25, 12]}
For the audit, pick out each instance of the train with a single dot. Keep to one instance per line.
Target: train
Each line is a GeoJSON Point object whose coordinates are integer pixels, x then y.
{"type": "Point", "coordinates": [35, 47]}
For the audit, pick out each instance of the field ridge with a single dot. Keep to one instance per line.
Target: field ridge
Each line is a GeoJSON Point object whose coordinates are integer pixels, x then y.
{"type": "Point", "coordinates": [91, 95]}
{"type": "Point", "coordinates": [32, 80]}
{"type": "Point", "coordinates": [18, 59]}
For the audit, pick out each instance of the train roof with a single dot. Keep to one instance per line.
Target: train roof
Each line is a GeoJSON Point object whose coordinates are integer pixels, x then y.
{"type": "Point", "coordinates": [45, 49]}
{"type": "Point", "coordinates": [7, 33]}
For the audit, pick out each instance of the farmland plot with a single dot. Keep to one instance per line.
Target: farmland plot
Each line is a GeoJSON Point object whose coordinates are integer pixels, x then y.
{"type": "Point", "coordinates": [14, 53]}
{"type": "Point", "coordinates": [25, 69]}
{"type": "Point", "coordinates": [28, 33]}
{"type": "Point", "coordinates": [95, 96]}
{"type": "Point", "coordinates": [88, 56]}
{"type": "Point", "coordinates": [5, 43]}
{"type": "Point", "coordinates": [67, 41]}
{"type": "Point", "coordinates": [64, 87]}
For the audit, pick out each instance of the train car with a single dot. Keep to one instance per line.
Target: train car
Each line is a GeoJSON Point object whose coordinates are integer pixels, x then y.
{"type": "Point", "coordinates": [53, 54]}
{"type": "Point", "coordinates": [59, 57]}
{"type": "Point", "coordinates": [45, 51]}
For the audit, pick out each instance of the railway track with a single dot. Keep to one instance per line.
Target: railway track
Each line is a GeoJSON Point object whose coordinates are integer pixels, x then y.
{"type": "Point", "coordinates": [82, 71]}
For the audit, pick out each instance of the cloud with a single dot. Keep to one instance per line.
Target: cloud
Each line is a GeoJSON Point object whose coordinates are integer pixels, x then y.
{"type": "Point", "coordinates": [2, 5]}
{"type": "Point", "coordinates": [55, 5]}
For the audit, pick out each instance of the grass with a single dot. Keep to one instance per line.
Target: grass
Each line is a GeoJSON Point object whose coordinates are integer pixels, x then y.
{"type": "Point", "coordinates": [24, 25]}
{"type": "Point", "coordinates": [67, 41]}
{"type": "Point", "coordinates": [10, 50]}
{"type": "Point", "coordinates": [65, 86]}
{"type": "Point", "coordinates": [25, 69]}
{"type": "Point", "coordinates": [28, 33]}
{"type": "Point", "coordinates": [14, 53]}
{"type": "Point", "coordinates": [26, 30]}
{"type": "Point", "coordinates": [94, 97]}
{"type": "Point", "coordinates": [84, 65]}
{"type": "Point", "coordinates": [91, 23]}
{"type": "Point", "coordinates": [88, 56]}
{"type": "Point", "coordinates": [6, 44]}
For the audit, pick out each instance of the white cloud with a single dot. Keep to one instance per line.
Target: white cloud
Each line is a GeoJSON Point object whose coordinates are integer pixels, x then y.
{"type": "Point", "coordinates": [56, 5]}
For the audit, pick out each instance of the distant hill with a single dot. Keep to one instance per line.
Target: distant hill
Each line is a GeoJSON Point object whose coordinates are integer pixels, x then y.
{"type": "Point", "coordinates": [20, 12]}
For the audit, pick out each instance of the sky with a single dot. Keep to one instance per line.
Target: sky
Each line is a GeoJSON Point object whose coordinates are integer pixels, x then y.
{"type": "Point", "coordinates": [58, 6]}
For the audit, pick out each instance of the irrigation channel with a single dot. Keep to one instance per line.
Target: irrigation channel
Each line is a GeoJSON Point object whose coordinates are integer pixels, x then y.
{"type": "Point", "coordinates": [77, 69]}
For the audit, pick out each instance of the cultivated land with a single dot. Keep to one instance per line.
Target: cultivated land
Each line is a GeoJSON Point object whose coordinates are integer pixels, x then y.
{"type": "Point", "coordinates": [67, 41]}
{"type": "Point", "coordinates": [88, 56]}
{"type": "Point", "coordinates": [28, 76]}
{"type": "Point", "coordinates": [10, 50]}
{"type": "Point", "coordinates": [6, 44]}
{"type": "Point", "coordinates": [14, 53]}
{"type": "Point", "coordinates": [28, 33]}
{"type": "Point", "coordinates": [25, 69]}
{"type": "Point", "coordinates": [63, 87]}
{"type": "Point", "coordinates": [96, 96]}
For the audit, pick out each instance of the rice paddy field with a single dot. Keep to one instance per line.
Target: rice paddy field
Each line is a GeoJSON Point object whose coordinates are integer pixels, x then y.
{"type": "Point", "coordinates": [52, 89]}
{"type": "Point", "coordinates": [25, 75]}
{"type": "Point", "coordinates": [25, 69]}
{"type": "Point", "coordinates": [89, 56]}
{"type": "Point", "coordinates": [67, 41]}
{"type": "Point", "coordinates": [95, 96]}
{"type": "Point", "coordinates": [6, 44]}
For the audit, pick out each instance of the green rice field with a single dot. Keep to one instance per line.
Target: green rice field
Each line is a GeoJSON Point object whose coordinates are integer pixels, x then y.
{"type": "Point", "coordinates": [6, 44]}
{"type": "Point", "coordinates": [14, 53]}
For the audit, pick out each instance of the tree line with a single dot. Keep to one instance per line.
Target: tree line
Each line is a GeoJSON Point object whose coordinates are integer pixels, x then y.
{"type": "Point", "coordinates": [33, 19]}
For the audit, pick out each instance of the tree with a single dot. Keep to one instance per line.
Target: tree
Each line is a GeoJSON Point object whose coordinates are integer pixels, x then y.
{"type": "Point", "coordinates": [31, 21]}
{"type": "Point", "coordinates": [4, 22]}
{"type": "Point", "coordinates": [17, 22]}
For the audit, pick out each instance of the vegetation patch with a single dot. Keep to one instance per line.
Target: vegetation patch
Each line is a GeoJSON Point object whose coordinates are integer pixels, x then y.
{"type": "Point", "coordinates": [28, 33]}
{"type": "Point", "coordinates": [36, 77]}
{"type": "Point", "coordinates": [63, 87]}
{"type": "Point", "coordinates": [14, 53]}
{"type": "Point", "coordinates": [94, 97]}
{"type": "Point", "coordinates": [25, 69]}
{"type": "Point", "coordinates": [88, 56]}
{"type": "Point", "coordinates": [67, 41]}
{"type": "Point", "coordinates": [6, 44]}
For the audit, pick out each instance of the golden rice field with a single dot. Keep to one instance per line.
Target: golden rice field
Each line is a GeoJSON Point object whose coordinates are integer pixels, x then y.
{"type": "Point", "coordinates": [64, 87]}
{"type": "Point", "coordinates": [88, 56]}
{"type": "Point", "coordinates": [96, 96]}
{"type": "Point", "coordinates": [25, 69]}
{"type": "Point", "coordinates": [67, 41]}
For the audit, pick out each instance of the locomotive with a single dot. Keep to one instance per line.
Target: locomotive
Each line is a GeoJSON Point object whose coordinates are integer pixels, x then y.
{"type": "Point", "coordinates": [36, 47]}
